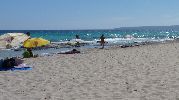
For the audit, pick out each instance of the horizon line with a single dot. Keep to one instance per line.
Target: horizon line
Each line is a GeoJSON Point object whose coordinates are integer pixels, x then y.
{"type": "Point", "coordinates": [87, 29]}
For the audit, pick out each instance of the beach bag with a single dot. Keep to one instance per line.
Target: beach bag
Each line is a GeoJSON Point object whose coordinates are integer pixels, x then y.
{"type": "Point", "coordinates": [26, 54]}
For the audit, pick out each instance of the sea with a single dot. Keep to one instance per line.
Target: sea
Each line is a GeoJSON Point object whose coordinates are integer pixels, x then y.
{"type": "Point", "coordinates": [117, 36]}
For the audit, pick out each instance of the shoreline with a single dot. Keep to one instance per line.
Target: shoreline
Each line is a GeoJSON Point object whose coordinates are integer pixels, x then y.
{"type": "Point", "coordinates": [52, 51]}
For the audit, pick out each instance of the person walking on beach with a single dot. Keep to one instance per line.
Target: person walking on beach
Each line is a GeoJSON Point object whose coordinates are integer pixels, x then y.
{"type": "Point", "coordinates": [102, 40]}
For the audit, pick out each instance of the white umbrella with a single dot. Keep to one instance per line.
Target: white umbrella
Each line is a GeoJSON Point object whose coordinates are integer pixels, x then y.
{"type": "Point", "coordinates": [4, 40]}
{"type": "Point", "coordinates": [18, 39]}
{"type": "Point", "coordinates": [13, 39]}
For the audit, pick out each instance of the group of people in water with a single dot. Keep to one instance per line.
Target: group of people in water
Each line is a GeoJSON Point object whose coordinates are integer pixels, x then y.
{"type": "Point", "coordinates": [102, 40]}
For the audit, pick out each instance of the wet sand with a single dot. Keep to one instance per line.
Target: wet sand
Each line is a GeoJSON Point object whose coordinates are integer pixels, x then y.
{"type": "Point", "coordinates": [149, 72]}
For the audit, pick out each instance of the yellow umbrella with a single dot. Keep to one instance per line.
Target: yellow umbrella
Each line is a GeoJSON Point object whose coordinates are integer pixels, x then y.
{"type": "Point", "coordinates": [35, 42]}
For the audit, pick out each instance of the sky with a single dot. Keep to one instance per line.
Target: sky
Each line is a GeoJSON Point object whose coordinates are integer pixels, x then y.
{"type": "Point", "coordinates": [86, 14]}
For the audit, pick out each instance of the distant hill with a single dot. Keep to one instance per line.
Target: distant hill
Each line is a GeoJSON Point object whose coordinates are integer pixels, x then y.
{"type": "Point", "coordinates": [150, 28]}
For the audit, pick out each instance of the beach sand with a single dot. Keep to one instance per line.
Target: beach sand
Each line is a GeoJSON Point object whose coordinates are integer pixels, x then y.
{"type": "Point", "coordinates": [149, 72]}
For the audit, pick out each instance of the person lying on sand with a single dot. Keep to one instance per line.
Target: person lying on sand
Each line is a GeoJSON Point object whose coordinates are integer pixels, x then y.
{"type": "Point", "coordinates": [70, 52]}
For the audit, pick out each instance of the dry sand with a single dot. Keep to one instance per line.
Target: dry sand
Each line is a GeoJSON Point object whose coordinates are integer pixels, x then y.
{"type": "Point", "coordinates": [149, 72]}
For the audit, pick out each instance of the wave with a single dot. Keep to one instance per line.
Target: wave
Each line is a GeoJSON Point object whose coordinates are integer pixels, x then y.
{"type": "Point", "coordinates": [115, 41]}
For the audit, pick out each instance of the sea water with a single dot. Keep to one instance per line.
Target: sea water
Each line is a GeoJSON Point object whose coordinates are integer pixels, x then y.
{"type": "Point", "coordinates": [112, 37]}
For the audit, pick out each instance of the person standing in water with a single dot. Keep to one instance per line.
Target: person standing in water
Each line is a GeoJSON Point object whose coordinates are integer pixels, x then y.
{"type": "Point", "coordinates": [102, 40]}
{"type": "Point", "coordinates": [77, 37]}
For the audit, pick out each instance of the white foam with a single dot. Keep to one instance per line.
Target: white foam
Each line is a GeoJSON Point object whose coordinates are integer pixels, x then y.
{"type": "Point", "coordinates": [114, 41]}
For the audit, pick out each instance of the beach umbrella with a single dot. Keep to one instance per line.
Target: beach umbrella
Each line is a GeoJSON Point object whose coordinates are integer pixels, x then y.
{"type": "Point", "coordinates": [3, 44]}
{"type": "Point", "coordinates": [13, 39]}
{"type": "Point", "coordinates": [35, 42]}
{"type": "Point", "coordinates": [6, 37]}
{"type": "Point", "coordinates": [18, 40]}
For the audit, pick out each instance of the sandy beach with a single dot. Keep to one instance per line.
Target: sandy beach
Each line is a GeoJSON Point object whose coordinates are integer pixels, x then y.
{"type": "Point", "coordinates": [149, 72]}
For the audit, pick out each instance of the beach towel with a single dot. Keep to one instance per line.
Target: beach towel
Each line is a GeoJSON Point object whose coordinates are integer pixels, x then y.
{"type": "Point", "coordinates": [22, 68]}
{"type": "Point", "coordinates": [19, 67]}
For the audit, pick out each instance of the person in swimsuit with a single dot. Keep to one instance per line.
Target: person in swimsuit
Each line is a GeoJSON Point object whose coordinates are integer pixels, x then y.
{"type": "Point", "coordinates": [102, 40]}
